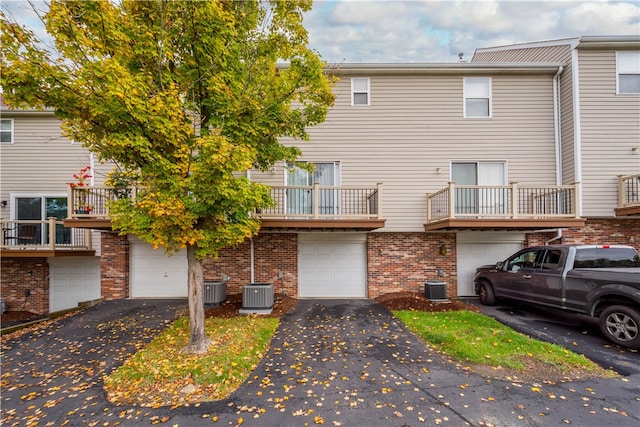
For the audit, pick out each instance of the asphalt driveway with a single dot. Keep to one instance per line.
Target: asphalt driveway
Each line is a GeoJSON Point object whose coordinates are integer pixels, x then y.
{"type": "Point", "coordinates": [348, 363]}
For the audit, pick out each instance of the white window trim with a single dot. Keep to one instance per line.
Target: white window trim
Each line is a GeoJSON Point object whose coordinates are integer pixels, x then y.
{"type": "Point", "coordinates": [464, 97]}
{"type": "Point", "coordinates": [43, 194]}
{"type": "Point", "coordinates": [336, 163]}
{"type": "Point", "coordinates": [13, 138]}
{"type": "Point", "coordinates": [477, 162]}
{"type": "Point", "coordinates": [618, 54]}
{"type": "Point", "coordinates": [353, 92]}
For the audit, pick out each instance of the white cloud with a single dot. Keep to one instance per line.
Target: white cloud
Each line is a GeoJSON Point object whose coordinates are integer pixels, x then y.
{"type": "Point", "coordinates": [435, 31]}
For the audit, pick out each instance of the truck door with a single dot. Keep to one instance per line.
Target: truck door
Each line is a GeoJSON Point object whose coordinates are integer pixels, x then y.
{"type": "Point", "coordinates": [517, 278]}
{"type": "Point", "coordinates": [547, 278]}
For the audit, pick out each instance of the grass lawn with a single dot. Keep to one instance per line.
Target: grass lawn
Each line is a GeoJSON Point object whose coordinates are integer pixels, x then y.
{"type": "Point", "coordinates": [478, 339]}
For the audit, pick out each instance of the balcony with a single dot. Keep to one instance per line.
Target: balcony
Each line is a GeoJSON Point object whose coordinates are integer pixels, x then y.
{"type": "Point", "coordinates": [503, 207]}
{"type": "Point", "coordinates": [32, 238]}
{"type": "Point", "coordinates": [628, 195]}
{"type": "Point", "coordinates": [297, 207]}
{"type": "Point", "coordinates": [324, 207]}
{"type": "Point", "coordinates": [88, 207]}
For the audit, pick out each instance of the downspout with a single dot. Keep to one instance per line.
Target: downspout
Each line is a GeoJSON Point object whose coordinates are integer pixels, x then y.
{"type": "Point", "coordinates": [251, 251]}
{"type": "Point", "coordinates": [557, 124]}
{"type": "Point", "coordinates": [558, 236]}
{"type": "Point", "coordinates": [251, 248]}
{"type": "Point", "coordinates": [556, 137]}
{"type": "Point", "coordinates": [577, 124]}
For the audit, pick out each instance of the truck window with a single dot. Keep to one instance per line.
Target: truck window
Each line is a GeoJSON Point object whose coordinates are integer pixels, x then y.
{"type": "Point", "coordinates": [525, 259]}
{"type": "Point", "coordinates": [551, 259]}
{"type": "Point", "coordinates": [606, 258]}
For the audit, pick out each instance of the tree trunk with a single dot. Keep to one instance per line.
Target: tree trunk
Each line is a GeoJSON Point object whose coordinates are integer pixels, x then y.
{"type": "Point", "coordinates": [198, 341]}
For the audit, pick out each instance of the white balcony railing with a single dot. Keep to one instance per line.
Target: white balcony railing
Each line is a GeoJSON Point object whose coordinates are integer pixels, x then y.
{"type": "Point", "coordinates": [292, 202]}
{"type": "Point", "coordinates": [49, 234]}
{"type": "Point", "coordinates": [628, 190]}
{"type": "Point", "coordinates": [503, 201]}
{"type": "Point", "coordinates": [325, 202]}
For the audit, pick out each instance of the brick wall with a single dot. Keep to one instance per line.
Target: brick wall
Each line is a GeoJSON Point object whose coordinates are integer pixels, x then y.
{"type": "Point", "coordinates": [595, 231]}
{"type": "Point", "coordinates": [273, 253]}
{"type": "Point", "coordinates": [605, 231]}
{"type": "Point", "coordinates": [25, 274]}
{"type": "Point", "coordinates": [114, 266]}
{"type": "Point", "coordinates": [404, 261]}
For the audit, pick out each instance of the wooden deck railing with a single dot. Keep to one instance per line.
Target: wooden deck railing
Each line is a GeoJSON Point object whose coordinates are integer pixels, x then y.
{"type": "Point", "coordinates": [503, 201]}
{"type": "Point", "coordinates": [325, 202]}
{"type": "Point", "coordinates": [93, 202]}
{"type": "Point", "coordinates": [50, 234]}
{"type": "Point", "coordinates": [628, 190]}
{"type": "Point", "coordinates": [292, 202]}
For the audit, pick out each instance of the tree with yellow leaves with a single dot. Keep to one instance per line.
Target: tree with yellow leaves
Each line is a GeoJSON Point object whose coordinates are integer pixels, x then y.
{"type": "Point", "coordinates": [183, 96]}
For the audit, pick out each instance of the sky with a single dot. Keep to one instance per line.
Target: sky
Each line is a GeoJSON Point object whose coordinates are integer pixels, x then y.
{"type": "Point", "coordinates": [432, 31]}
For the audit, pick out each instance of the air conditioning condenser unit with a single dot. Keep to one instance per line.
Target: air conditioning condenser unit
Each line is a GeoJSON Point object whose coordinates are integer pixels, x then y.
{"type": "Point", "coordinates": [257, 298]}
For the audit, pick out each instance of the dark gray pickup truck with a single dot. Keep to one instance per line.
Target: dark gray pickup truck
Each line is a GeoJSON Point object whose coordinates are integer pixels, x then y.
{"type": "Point", "coordinates": [601, 281]}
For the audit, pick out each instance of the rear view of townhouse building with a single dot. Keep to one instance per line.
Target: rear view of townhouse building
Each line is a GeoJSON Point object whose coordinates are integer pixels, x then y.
{"type": "Point", "coordinates": [423, 172]}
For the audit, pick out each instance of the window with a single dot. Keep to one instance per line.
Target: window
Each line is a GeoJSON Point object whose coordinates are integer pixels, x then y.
{"type": "Point", "coordinates": [477, 96]}
{"type": "Point", "coordinates": [359, 91]}
{"type": "Point", "coordinates": [628, 71]}
{"type": "Point", "coordinates": [525, 259]}
{"type": "Point", "coordinates": [6, 131]}
{"type": "Point", "coordinates": [551, 259]}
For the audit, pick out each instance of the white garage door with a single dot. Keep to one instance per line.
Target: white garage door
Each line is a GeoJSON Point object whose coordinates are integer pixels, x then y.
{"type": "Point", "coordinates": [73, 280]}
{"type": "Point", "coordinates": [332, 265]}
{"type": "Point", "coordinates": [156, 275]}
{"type": "Point", "coordinates": [477, 249]}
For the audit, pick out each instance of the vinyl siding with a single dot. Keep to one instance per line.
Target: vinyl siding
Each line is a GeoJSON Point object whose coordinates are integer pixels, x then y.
{"type": "Point", "coordinates": [549, 53]}
{"type": "Point", "coordinates": [40, 161]}
{"type": "Point", "coordinates": [610, 127]}
{"type": "Point", "coordinates": [415, 126]}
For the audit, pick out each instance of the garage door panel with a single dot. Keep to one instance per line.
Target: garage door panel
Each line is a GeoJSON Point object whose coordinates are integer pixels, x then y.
{"type": "Point", "coordinates": [73, 280]}
{"type": "Point", "coordinates": [154, 274]}
{"type": "Point", "coordinates": [332, 266]}
{"type": "Point", "coordinates": [474, 255]}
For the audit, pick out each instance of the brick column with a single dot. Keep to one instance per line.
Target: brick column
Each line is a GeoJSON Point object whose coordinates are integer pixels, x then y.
{"type": "Point", "coordinates": [114, 266]}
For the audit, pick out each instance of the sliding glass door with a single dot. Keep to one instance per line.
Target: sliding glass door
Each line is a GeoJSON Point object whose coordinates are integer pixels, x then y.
{"type": "Point", "coordinates": [480, 200]}
{"type": "Point", "coordinates": [300, 200]}
{"type": "Point", "coordinates": [41, 208]}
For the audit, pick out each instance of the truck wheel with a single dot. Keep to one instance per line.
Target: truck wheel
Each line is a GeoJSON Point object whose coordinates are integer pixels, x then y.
{"type": "Point", "coordinates": [621, 325]}
{"type": "Point", "coordinates": [487, 296]}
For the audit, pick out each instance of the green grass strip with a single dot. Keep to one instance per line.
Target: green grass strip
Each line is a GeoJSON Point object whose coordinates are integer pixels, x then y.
{"type": "Point", "coordinates": [480, 339]}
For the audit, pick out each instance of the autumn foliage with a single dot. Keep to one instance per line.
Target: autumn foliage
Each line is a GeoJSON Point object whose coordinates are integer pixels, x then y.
{"type": "Point", "coordinates": [183, 97]}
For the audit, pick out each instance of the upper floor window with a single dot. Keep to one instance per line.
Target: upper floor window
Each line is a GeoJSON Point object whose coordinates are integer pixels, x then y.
{"type": "Point", "coordinates": [359, 91]}
{"type": "Point", "coordinates": [6, 131]}
{"type": "Point", "coordinates": [477, 96]}
{"type": "Point", "coordinates": [628, 72]}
